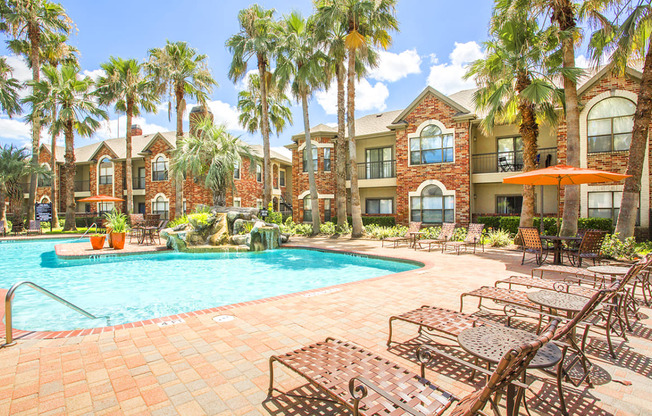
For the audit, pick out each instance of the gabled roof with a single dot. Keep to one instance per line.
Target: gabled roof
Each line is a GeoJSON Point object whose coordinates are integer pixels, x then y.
{"type": "Point", "coordinates": [257, 150]}
{"type": "Point", "coordinates": [633, 69]}
{"type": "Point", "coordinates": [430, 90]}
{"type": "Point", "coordinates": [104, 143]}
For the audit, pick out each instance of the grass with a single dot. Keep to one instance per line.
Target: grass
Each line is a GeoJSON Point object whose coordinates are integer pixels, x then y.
{"type": "Point", "coordinates": [80, 230]}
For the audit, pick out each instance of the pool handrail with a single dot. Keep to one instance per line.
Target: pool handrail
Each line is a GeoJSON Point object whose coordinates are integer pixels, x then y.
{"type": "Point", "coordinates": [9, 339]}
{"type": "Point", "coordinates": [88, 230]}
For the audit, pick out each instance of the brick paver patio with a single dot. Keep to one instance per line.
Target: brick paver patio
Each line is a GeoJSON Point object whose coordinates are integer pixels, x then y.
{"type": "Point", "coordinates": [204, 367]}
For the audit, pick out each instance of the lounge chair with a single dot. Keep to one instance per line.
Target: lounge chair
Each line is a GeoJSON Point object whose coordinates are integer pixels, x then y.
{"type": "Point", "coordinates": [531, 243]}
{"type": "Point", "coordinates": [34, 227]}
{"type": "Point", "coordinates": [368, 384]}
{"type": "Point", "coordinates": [590, 248]}
{"type": "Point", "coordinates": [446, 233]}
{"type": "Point", "coordinates": [473, 238]}
{"type": "Point", "coordinates": [412, 228]}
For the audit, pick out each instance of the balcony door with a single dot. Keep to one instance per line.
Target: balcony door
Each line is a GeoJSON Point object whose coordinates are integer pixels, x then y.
{"type": "Point", "coordinates": [510, 154]}
{"type": "Point", "coordinates": [140, 182]}
{"type": "Point", "coordinates": [378, 163]}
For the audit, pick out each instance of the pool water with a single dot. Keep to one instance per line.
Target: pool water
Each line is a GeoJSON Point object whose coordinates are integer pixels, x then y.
{"type": "Point", "coordinates": [140, 287]}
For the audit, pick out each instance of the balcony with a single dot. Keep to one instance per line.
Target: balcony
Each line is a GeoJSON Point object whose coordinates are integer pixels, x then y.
{"type": "Point", "coordinates": [83, 185]}
{"type": "Point", "coordinates": [137, 183]}
{"type": "Point", "coordinates": [510, 161]}
{"type": "Point", "coordinates": [376, 170]}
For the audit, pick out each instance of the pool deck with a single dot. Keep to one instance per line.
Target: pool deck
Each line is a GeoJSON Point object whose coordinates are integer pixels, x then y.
{"type": "Point", "coordinates": [84, 250]}
{"type": "Point", "coordinates": [198, 366]}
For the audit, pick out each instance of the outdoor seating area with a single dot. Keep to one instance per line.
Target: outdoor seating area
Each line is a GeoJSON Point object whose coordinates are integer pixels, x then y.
{"type": "Point", "coordinates": [146, 229]}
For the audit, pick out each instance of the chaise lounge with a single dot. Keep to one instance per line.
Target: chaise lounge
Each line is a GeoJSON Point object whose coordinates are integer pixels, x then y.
{"type": "Point", "coordinates": [412, 228]}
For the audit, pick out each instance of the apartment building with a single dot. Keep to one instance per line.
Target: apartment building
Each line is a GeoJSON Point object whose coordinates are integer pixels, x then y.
{"type": "Point", "coordinates": [101, 170]}
{"type": "Point", "coordinates": [433, 162]}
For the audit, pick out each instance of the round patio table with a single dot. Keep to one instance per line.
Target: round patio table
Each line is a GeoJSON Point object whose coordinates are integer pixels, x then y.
{"type": "Point", "coordinates": [416, 235]}
{"type": "Point", "coordinates": [612, 271]}
{"type": "Point", "coordinates": [629, 302]}
{"type": "Point", "coordinates": [557, 246]}
{"type": "Point", "coordinates": [558, 301]}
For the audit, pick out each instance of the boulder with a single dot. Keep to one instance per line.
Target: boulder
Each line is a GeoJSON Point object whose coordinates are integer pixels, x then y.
{"type": "Point", "coordinates": [236, 213]}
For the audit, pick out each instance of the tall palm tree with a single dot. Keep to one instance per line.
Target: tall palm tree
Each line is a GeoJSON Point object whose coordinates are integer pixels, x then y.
{"type": "Point", "coordinates": [9, 88]}
{"type": "Point", "coordinates": [250, 107]}
{"type": "Point", "coordinates": [367, 24]}
{"type": "Point", "coordinates": [14, 166]}
{"type": "Point", "coordinates": [628, 37]}
{"type": "Point", "coordinates": [258, 36]}
{"type": "Point", "coordinates": [180, 71]}
{"type": "Point", "coordinates": [211, 155]}
{"type": "Point", "coordinates": [78, 111]}
{"type": "Point", "coordinates": [125, 85]}
{"type": "Point", "coordinates": [301, 63]}
{"type": "Point", "coordinates": [54, 51]}
{"type": "Point", "coordinates": [516, 85]}
{"type": "Point", "coordinates": [32, 20]}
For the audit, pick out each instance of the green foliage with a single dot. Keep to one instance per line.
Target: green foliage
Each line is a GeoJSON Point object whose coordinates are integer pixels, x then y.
{"type": "Point", "coordinates": [178, 221]}
{"type": "Point", "coordinates": [380, 232]}
{"type": "Point", "coordinates": [247, 227]}
{"type": "Point", "coordinates": [510, 223]}
{"type": "Point", "coordinates": [202, 209]}
{"type": "Point", "coordinates": [9, 226]}
{"type": "Point", "coordinates": [614, 248]}
{"type": "Point", "coordinates": [344, 228]}
{"type": "Point", "coordinates": [303, 229]}
{"type": "Point", "coordinates": [366, 220]}
{"type": "Point", "coordinates": [116, 221]}
{"type": "Point", "coordinates": [328, 228]}
{"type": "Point", "coordinates": [431, 232]}
{"type": "Point", "coordinates": [274, 218]}
{"type": "Point", "coordinates": [459, 234]}
{"type": "Point", "coordinates": [97, 235]}
{"type": "Point", "coordinates": [79, 230]}
{"type": "Point", "coordinates": [199, 219]}
{"type": "Point", "coordinates": [498, 238]}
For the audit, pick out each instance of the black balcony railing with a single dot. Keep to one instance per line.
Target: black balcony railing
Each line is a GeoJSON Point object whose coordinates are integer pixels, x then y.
{"type": "Point", "coordinates": [82, 185]}
{"type": "Point", "coordinates": [511, 161]}
{"type": "Point", "coordinates": [376, 170]}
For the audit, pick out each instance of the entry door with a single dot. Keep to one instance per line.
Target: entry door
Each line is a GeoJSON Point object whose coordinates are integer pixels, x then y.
{"type": "Point", "coordinates": [141, 208]}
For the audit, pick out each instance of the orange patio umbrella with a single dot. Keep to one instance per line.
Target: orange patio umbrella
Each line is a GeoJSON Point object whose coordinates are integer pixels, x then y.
{"type": "Point", "coordinates": [563, 175]}
{"type": "Point", "coordinates": [101, 198]}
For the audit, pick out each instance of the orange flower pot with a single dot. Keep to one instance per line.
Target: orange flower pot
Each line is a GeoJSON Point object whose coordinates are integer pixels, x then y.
{"type": "Point", "coordinates": [97, 241]}
{"type": "Point", "coordinates": [118, 240]}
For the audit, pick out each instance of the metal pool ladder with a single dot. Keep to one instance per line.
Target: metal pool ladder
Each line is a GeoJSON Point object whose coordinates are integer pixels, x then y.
{"type": "Point", "coordinates": [9, 341]}
{"type": "Point", "coordinates": [88, 230]}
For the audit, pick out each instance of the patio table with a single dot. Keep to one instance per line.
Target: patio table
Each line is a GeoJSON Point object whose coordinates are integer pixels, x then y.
{"type": "Point", "coordinates": [557, 245]}
{"type": "Point", "coordinates": [416, 235]}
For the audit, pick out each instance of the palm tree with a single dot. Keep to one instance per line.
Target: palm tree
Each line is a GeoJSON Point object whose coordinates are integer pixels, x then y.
{"type": "Point", "coordinates": [258, 36]}
{"type": "Point", "coordinates": [54, 51]}
{"type": "Point", "coordinates": [9, 88]}
{"type": "Point", "coordinates": [211, 155]}
{"type": "Point", "coordinates": [177, 69]}
{"type": "Point", "coordinates": [125, 85]}
{"type": "Point", "coordinates": [14, 165]}
{"type": "Point", "coordinates": [32, 20]}
{"type": "Point", "coordinates": [72, 95]}
{"type": "Point", "coordinates": [250, 107]}
{"type": "Point", "coordinates": [627, 38]}
{"type": "Point", "coordinates": [301, 63]}
{"type": "Point", "coordinates": [516, 85]}
{"type": "Point", "coordinates": [367, 23]}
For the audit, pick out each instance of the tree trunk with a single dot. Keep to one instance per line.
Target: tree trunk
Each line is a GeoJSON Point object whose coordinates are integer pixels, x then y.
{"type": "Point", "coordinates": [314, 196]}
{"type": "Point", "coordinates": [631, 190]}
{"type": "Point", "coordinates": [340, 149]}
{"type": "Point", "coordinates": [3, 209]}
{"type": "Point", "coordinates": [54, 197]}
{"type": "Point", "coordinates": [34, 39]}
{"type": "Point", "coordinates": [264, 127]}
{"type": "Point", "coordinates": [356, 210]}
{"type": "Point", "coordinates": [565, 19]}
{"type": "Point", "coordinates": [177, 179]}
{"type": "Point", "coordinates": [69, 177]}
{"type": "Point", "coordinates": [128, 167]}
{"type": "Point", "coordinates": [529, 130]}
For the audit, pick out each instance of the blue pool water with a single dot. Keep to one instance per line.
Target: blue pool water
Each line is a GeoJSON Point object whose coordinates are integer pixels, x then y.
{"type": "Point", "coordinates": [135, 288]}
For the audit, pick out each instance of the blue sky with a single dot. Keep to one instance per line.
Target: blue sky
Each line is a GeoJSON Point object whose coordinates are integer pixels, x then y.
{"type": "Point", "coordinates": [435, 41]}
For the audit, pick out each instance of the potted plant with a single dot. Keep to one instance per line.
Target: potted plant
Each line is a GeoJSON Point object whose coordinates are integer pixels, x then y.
{"type": "Point", "coordinates": [97, 241]}
{"type": "Point", "coordinates": [117, 223]}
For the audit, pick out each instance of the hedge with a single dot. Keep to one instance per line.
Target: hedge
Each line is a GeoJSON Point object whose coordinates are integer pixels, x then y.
{"type": "Point", "coordinates": [368, 220]}
{"type": "Point", "coordinates": [510, 223]}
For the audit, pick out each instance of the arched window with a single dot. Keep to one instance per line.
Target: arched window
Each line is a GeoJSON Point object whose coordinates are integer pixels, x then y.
{"type": "Point", "coordinates": [307, 209]}
{"type": "Point", "coordinates": [610, 124]}
{"type": "Point", "coordinates": [106, 172]}
{"type": "Point", "coordinates": [259, 172]}
{"type": "Point", "coordinates": [432, 146]}
{"type": "Point", "coordinates": [432, 206]}
{"type": "Point", "coordinates": [160, 206]}
{"type": "Point", "coordinates": [160, 169]}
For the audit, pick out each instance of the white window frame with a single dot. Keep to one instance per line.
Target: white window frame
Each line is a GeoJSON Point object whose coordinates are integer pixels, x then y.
{"type": "Point", "coordinates": [417, 134]}
{"type": "Point", "coordinates": [155, 200]}
{"type": "Point", "coordinates": [155, 161]}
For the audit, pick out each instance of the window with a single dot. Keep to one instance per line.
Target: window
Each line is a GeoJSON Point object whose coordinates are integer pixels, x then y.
{"type": "Point", "coordinates": [379, 163]}
{"type": "Point", "coordinates": [103, 207]}
{"type": "Point", "coordinates": [327, 210]}
{"type": "Point", "coordinates": [106, 172]}
{"type": "Point", "coordinates": [282, 177]}
{"type": "Point", "coordinates": [327, 159]}
{"type": "Point", "coordinates": [432, 146]}
{"type": "Point", "coordinates": [509, 204]}
{"type": "Point", "coordinates": [160, 169]}
{"type": "Point", "coordinates": [314, 159]}
{"type": "Point", "coordinates": [45, 179]}
{"type": "Point", "coordinates": [236, 202]}
{"type": "Point", "coordinates": [236, 170]}
{"type": "Point", "coordinates": [259, 173]}
{"type": "Point", "coordinates": [160, 206]}
{"type": "Point", "coordinates": [510, 154]}
{"type": "Point", "coordinates": [607, 205]}
{"type": "Point", "coordinates": [432, 207]}
{"type": "Point", "coordinates": [379, 206]}
{"type": "Point", "coordinates": [610, 124]}
{"type": "Point", "coordinates": [307, 209]}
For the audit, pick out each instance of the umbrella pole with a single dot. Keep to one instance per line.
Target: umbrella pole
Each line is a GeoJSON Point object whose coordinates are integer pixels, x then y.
{"type": "Point", "coordinates": [541, 214]}
{"type": "Point", "coordinates": [558, 203]}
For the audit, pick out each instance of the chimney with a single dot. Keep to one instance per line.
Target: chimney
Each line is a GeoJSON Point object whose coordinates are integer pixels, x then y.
{"type": "Point", "coordinates": [196, 114]}
{"type": "Point", "coordinates": [136, 130]}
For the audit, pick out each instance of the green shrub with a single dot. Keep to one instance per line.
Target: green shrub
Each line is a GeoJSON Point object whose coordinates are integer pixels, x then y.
{"type": "Point", "coordinates": [199, 219]}
{"type": "Point", "coordinates": [82, 222]}
{"type": "Point", "coordinates": [9, 226]}
{"type": "Point", "coordinates": [202, 209]}
{"type": "Point", "coordinates": [288, 226]}
{"type": "Point", "coordinates": [327, 228]}
{"type": "Point", "coordinates": [247, 227]}
{"type": "Point", "coordinates": [459, 234]}
{"type": "Point", "coordinates": [498, 238]}
{"type": "Point", "coordinates": [384, 221]}
{"type": "Point", "coordinates": [116, 220]}
{"type": "Point", "coordinates": [616, 249]}
{"type": "Point", "coordinates": [303, 229]}
{"type": "Point", "coordinates": [178, 221]}
{"type": "Point", "coordinates": [431, 232]}
{"type": "Point", "coordinates": [344, 228]}
{"type": "Point", "coordinates": [274, 218]}
{"type": "Point", "coordinates": [380, 232]}
{"type": "Point", "coordinates": [511, 223]}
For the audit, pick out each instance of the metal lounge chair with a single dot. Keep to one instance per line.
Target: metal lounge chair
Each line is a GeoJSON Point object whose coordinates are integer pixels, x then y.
{"type": "Point", "coordinates": [412, 228]}
{"type": "Point", "coordinates": [531, 241]}
{"type": "Point", "coordinates": [34, 227]}
{"type": "Point", "coordinates": [590, 248]}
{"type": "Point", "coordinates": [368, 384]}
{"type": "Point", "coordinates": [446, 233]}
{"type": "Point", "coordinates": [473, 238]}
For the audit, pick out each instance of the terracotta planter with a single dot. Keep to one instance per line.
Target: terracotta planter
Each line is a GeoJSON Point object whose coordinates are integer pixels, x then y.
{"type": "Point", "coordinates": [118, 240]}
{"type": "Point", "coordinates": [97, 241]}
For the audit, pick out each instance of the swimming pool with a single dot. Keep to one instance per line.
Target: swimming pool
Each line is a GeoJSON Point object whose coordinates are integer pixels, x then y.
{"type": "Point", "coordinates": [140, 287]}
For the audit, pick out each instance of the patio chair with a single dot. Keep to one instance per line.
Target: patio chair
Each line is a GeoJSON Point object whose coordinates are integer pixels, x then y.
{"type": "Point", "coordinates": [412, 228]}
{"type": "Point", "coordinates": [368, 384]}
{"type": "Point", "coordinates": [531, 243]}
{"type": "Point", "coordinates": [473, 238]}
{"type": "Point", "coordinates": [590, 248]}
{"type": "Point", "coordinates": [446, 233]}
{"type": "Point", "coordinates": [137, 222]}
{"type": "Point", "coordinates": [17, 227]}
{"type": "Point", "coordinates": [34, 227]}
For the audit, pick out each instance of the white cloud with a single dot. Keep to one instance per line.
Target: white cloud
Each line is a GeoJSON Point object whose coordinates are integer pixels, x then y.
{"type": "Point", "coordinates": [448, 77]}
{"type": "Point", "coordinates": [15, 130]}
{"type": "Point", "coordinates": [109, 129]}
{"type": "Point", "coordinates": [243, 84]}
{"type": "Point", "coordinates": [20, 70]}
{"type": "Point", "coordinates": [95, 74]}
{"type": "Point", "coordinates": [394, 66]}
{"type": "Point", "coordinates": [367, 97]}
{"type": "Point", "coordinates": [223, 113]}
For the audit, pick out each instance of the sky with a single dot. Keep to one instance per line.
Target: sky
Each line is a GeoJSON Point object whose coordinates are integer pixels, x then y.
{"type": "Point", "coordinates": [435, 41]}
